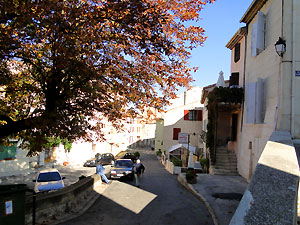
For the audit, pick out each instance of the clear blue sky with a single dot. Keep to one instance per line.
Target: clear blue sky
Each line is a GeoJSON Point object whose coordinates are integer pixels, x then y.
{"type": "Point", "coordinates": [220, 20]}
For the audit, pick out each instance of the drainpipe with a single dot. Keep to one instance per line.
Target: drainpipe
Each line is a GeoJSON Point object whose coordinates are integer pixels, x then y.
{"type": "Point", "coordinates": [293, 70]}
{"type": "Point", "coordinates": [244, 77]}
{"type": "Point", "coordinates": [279, 75]}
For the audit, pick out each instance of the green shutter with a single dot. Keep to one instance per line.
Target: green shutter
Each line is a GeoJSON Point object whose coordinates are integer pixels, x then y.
{"type": "Point", "coordinates": [8, 152]}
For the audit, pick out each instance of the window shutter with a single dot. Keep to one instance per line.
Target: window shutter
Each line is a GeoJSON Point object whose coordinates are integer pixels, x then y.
{"type": "Point", "coordinates": [260, 32]}
{"type": "Point", "coordinates": [255, 98]}
{"type": "Point", "coordinates": [258, 35]}
{"type": "Point", "coordinates": [186, 114]}
{"type": "Point", "coordinates": [251, 90]}
{"type": "Point", "coordinates": [259, 101]}
{"type": "Point", "coordinates": [253, 40]}
{"type": "Point", "coordinates": [176, 132]}
{"type": "Point", "coordinates": [199, 115]}
{"type": "Point", "coordinates": [237, 51]}
{"type": "Point", "coordinates": [234, 79]}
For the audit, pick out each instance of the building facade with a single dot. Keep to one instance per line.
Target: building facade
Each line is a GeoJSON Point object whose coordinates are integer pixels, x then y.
{"type": "Point", "coordinates": [184, 116]}
{"type": "Point", "coordinates": [272, 100]}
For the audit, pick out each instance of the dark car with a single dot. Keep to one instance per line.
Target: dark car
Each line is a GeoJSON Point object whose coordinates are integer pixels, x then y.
{"type": "Point", "coordinates": [90, 163]}
{"type": "Point", "coordinates": [105, 159]}
{"type": "Point", "coordinates": [127, 155]}
{"type": "Point", "coordinates": [122, 168]}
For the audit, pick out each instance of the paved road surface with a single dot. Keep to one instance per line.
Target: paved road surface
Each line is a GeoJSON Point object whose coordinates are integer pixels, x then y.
{"type": "Point", "coordinates": [160, 200]}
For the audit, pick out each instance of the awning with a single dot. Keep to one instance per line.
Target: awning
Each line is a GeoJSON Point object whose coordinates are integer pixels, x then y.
{"type": "Point", "coordinates": [190, 147]}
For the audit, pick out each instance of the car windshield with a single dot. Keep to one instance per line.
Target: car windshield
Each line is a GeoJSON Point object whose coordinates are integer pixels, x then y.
{"type": "Point", "coordinates": [49, 176]}
{"type": "Point", "coordinates": [123, 164]}
{"type": "Point", "coordinates": [129, 156]}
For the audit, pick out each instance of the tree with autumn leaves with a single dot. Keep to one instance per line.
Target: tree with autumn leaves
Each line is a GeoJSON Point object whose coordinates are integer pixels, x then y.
{"type": "Point", "coordinates": [67, 64]}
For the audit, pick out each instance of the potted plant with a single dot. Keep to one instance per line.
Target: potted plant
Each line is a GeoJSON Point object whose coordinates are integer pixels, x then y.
{"type": "Point", "coordinates": [204, 164]}
{"type": "Point", "coordinates": [191, 176]}
{"type": "Point", "coordinates": [137, 155]}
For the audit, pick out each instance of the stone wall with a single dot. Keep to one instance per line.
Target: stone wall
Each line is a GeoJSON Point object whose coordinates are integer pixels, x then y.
{"type": "Point", "coordinates": [53, 206]}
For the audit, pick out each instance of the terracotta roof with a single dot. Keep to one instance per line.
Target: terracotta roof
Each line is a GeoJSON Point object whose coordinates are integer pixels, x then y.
{"type": "Point", "coordinates": [237, 37]}
{"type": "Point", "coordinates": [251, 12]}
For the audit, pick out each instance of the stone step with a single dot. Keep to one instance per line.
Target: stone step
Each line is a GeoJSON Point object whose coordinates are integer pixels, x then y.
{"type": "Point", "coordinates": [225, 164]}
{"type": "Point", "coordinates": [223, 171]}
{"type": "Point", "coordinates": [226, 156]}
{"type": "Point", "coordinates": [221, 151]}
{"type": "Point", "coordinates": [225, 160]}
{"type": "Point", "coordinates": [226, 153]}
{"type": "Point", "coordinates": [225, 167]}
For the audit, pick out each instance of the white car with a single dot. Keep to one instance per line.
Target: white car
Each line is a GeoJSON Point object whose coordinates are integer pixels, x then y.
{"type": "Point", "coordinates": [47, 180]}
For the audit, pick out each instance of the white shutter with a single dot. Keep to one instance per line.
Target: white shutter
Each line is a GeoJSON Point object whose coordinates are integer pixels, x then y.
{"type": "Point", "coordinates": [259, 101]}
{"type": "Point", "coordinates": [260, 45]}
{"type": "Point", "coordinates": [254, 40]}
{"type": "Point", "coordinates": [258, 35]}
{"type": "Point", "coordinates": [255, 99]}
{"type": "Point", "coordinates": [251, 91]}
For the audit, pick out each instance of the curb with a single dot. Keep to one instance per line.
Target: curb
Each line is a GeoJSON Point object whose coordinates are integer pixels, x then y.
{"type": "Point", "coordinates": [190, 187]}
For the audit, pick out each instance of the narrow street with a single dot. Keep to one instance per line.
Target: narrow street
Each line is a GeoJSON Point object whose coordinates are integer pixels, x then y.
{"type": "Point", "coordinates": [159, 200]}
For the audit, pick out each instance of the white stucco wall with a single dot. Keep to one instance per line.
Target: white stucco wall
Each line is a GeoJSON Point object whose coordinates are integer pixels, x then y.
{"type": "Point", "coordinates": [239, 65]}
{"type": "Point", "coordinates": [159, 134]}
{"type": "Point", "coordinates": [174, 118]}
{"type": "Point", "coordinates": [20, 165]}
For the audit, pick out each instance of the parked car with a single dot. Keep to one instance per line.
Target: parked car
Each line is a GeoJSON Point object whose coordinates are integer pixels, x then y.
{"type": "Point", "coordinates": [126, 155]}
{"type": "Point", "coordinates": [90, 163]}
{"type": "Point", "coordinates": [48, 180]}
{"type": "Point", "coordinates": [105, 159]}
{"type": "Point", "coordinates": [122, 168]}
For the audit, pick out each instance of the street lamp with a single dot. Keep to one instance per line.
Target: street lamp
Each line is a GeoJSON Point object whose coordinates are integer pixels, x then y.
{"type": "Point", "coordinates": [280, 47]}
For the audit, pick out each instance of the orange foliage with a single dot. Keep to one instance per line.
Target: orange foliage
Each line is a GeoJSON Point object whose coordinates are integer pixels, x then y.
{"type": "Point", "coordinates": [85, 57]}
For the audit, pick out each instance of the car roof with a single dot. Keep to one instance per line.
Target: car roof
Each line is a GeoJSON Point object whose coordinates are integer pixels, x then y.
{"type": "Point", "coordinates": [124, 160]}
{"type": "Point", "coordinates": [49, 170]}
{"type": "Point", "coordinates": [106, 154]}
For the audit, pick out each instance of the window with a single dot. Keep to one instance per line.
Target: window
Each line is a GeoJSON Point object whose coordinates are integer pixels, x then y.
{"type": "Point", "coordinates": [49, 176]}
{"type": "Point", "coordinates": [176, 132]}
{"type": "Point", "coordinates": [138, 129]}
{"type": "Point", "coordinates": [237, 52]}
{"type": "Point", "coordinates": [8, 152]}
{"type": "Point", "coordinates": [234, 126]}
{"type": "Point", "coordinates": [193, 115]}
{"type": "Point", "coordinates": [131, 139]}
{"type": "Point", "coordinates": [94, 147]}
{"type": "Point", "coordinates": [234, 79]}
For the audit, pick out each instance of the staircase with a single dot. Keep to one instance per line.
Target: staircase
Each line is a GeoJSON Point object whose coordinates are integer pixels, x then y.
{"type": "Point", "coordinates": [226, 163]}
